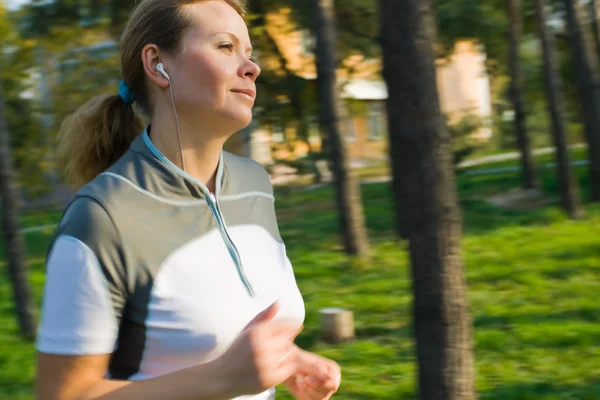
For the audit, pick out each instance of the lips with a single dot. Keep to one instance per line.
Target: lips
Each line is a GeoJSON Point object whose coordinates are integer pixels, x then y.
{"type": "Point", "coordinates": [248, 92]}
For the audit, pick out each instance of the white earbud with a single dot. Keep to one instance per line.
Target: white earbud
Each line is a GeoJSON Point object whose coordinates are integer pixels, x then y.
{"type": "Point", "coordinates": [161, 69]}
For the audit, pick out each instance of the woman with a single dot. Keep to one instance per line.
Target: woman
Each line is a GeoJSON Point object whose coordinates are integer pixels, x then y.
{"type": "Point", "coordinates": [167, 277]}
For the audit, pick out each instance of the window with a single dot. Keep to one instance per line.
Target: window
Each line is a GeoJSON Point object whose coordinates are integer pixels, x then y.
{"type": "Point", "coordinates": [377, 121]}
{"type": "Point", "coordinates": [350, 133]}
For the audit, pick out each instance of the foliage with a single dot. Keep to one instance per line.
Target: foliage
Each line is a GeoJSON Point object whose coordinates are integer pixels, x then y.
{"type": "Point", "coordinates": [358, 28]}
{"type": "Point", "coordinates": [463, 136]}
{"type": "Point", "coordinates": [30, 149]}
{"type": "Point", "coordinates": [485, 22]}
{"type": "Point", "coordinates": [356, 21]}
{"type": "Point", "coordinates": [82, 67]}
{"type": "Point", "coordinates": [40, 17]}
{"type": "Point", "coordinates": [70, 64]}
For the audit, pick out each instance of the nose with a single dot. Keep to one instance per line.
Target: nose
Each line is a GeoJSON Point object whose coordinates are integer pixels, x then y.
{"type": "Point", "coordinates": [250, 70]}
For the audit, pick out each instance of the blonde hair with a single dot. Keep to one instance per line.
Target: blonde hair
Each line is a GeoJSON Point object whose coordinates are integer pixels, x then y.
{"type": "Point", "coordinates": [97, 134]}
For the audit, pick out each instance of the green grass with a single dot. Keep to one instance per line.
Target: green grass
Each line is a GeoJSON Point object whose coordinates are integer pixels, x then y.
{"type": "Point", "coordinates": [534, 279]}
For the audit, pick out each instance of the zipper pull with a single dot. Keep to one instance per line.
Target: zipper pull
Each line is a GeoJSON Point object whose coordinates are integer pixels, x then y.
{"type": "Point", "coordinates": [211, 197]}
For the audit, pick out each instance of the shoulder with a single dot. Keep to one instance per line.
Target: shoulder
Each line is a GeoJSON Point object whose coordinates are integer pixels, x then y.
{"type": "Point", "coordinates": [86, 219]}
{"type": "Point", "coordinates": [247, 174]}
{"type": "Point", "coordinates": [113, 183]}
{"type": "Point", "coordinates": [88, 223]}
{"type": "Point", "coordinates": [87, 226]}
{"type": "Point", "coordinates": [243, 164]}
{"type": "Point", "coordinates": [85, 289]}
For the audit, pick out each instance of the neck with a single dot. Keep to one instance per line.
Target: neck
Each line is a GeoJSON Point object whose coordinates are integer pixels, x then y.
{"type": "Point", "coordinates": [201, 149]}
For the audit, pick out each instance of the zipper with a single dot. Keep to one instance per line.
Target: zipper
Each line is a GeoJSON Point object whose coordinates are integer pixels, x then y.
{"type": "Point", "coordinates": [214, 208]}
{"type": "Point", "coordinates": [213, 203]}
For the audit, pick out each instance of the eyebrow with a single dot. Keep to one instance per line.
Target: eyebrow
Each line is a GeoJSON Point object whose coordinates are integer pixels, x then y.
{"type": "Point", "coordinates": [234, 37]}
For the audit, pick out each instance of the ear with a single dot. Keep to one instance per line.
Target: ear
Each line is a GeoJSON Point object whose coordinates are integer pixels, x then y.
{"type": "Point", "coordinates": [150, 59]}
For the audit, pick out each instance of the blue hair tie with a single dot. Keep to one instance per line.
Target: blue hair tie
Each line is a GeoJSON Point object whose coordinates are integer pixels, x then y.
{"type": "Point", "coordinates": [126, 94]}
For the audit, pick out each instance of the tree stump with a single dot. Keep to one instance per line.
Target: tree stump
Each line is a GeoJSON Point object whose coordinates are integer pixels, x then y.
{"type": "Point", "coordinates": [337, 325]}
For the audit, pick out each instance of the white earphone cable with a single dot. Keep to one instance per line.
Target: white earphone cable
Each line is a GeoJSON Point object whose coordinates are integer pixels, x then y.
{"type": "Point", "coordinates": [177, 125]}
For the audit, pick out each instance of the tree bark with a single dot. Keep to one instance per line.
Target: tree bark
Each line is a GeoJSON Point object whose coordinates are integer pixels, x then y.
{"type": "Point", "coordinates": [331, 112]}
{"type": "Point", "coordinates": [426, 201]}
{"type": "Point", "coordinates": [568, 185]}
{"type": "Point", "coordinates": [13, 239]}
{"type": "Point", "coordinates": [528, 172]}
{"type": "Point", "coordinates": [595, 14]}
{"type": "Point", "coordinates": [588, 83]}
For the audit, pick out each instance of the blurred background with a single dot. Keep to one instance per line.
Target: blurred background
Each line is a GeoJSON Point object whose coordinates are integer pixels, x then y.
{"type": "Point", "coordinates": [441, 150]}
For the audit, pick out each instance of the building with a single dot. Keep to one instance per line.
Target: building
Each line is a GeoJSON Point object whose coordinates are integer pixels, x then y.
{"type": "Point", "coordinates": [463, 84]}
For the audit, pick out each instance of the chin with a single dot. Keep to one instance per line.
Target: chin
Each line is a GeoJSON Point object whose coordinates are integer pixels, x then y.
{"type": "Point", "coordinates": [239, 120]}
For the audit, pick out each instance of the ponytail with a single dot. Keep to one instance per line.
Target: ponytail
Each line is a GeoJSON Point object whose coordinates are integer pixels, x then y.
{"type": "Point", "coordinates": [95, 136]}
{"type": "Point", "coordinates": [101, 131]}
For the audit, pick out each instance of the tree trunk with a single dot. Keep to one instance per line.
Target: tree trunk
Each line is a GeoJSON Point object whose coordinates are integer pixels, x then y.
{"type": "Point", "coordinates": [528, 173]}
{"type": "Point", "coordinates": [588, 84]}
{"type": "Point", "coordinates": [568, 185]}
{"type": "Point", "coordinates": [426, 201]}
{"type": "Point", "coordinates": [348, 194]}
{"type": "Point", "coordinates": [595, 14]}
{"type": "Point", "coordinates": [13, 239]}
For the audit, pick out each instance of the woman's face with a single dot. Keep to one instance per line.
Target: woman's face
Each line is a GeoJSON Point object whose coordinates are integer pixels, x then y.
{"type": "Point", "coordinates": [213, 76]}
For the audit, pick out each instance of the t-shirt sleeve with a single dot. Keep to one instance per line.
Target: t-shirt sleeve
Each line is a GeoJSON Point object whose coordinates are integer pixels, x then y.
{"type": "Point", "coordinates": [85, 289]}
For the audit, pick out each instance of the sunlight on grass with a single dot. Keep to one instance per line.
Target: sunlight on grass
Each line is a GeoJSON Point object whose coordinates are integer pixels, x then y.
{"type": "Point", "coordinates": [576, 154]}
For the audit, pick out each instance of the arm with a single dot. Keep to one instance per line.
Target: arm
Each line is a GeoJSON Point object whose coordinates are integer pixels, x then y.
{"type": "Point", "coordinates": [82, 378]}
{"type": "Point", "coordinates": [260, 358]}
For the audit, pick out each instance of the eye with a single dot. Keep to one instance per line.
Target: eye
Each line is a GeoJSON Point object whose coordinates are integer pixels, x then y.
{"type": "Point", "coordinates": [228, 46]}
{"type": "Point", "coordinates": [253, 59]}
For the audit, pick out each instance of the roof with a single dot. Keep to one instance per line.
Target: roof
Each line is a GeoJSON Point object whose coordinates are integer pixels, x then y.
{"type": "Point", "coordinates": [363, 89]}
